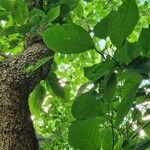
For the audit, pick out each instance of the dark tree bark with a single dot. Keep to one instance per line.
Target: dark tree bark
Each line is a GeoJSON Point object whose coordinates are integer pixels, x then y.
{"type": "Point", "coordinates": [16, 127]}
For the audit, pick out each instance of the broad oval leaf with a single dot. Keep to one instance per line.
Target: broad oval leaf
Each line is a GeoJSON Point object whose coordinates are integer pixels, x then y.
{"type": "Point", "coordinates": [144, 41]}
{"type": "Point", "coordinates": [84, 134]}
{"type": "Point", "coordinates": [20, 12]}
{"type": "Point", "coordinates": [53, 13]}
{"type": "Point", "coordinates": [88, 105]}
{"type": "Point", "coordinates": [110, 87]}
{"type": "Point", "coordinates": [106, 138]}
{"type": "Point", "coordinates": [52, 82]}
{"type": "Point", "coordinates": [101, 28]}
{"type": "Point", "coordinates": [36, 98]}
{"type": "Point", "coordinates": [123, 22]}
{"type": "Point", "coordinates": [97, 71]}
{"type": "Point", "coordinates": [140, 64]}
{"type": "Point", "coordinates": [68, 39]}
{"type": "Point", "coordinates": [129, 90]}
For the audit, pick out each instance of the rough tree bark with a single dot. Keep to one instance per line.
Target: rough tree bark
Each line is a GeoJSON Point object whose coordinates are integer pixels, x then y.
{"type": "Point", "coordinates": [16, 127]}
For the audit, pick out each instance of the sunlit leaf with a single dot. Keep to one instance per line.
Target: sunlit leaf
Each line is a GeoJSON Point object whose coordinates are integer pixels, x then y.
{"type": "Point", "coordinates": [68, 38]}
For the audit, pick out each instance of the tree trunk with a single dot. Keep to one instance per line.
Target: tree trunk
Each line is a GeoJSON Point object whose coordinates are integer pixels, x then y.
{"type": "Point", "coordinates": [16, 127]}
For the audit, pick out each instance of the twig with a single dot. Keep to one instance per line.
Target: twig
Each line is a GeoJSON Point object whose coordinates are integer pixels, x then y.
{"type": "Point", "coordinates": [107, 4]}
{"type": "Point", "coordinates": [100, 54]}
{"type": "Point", "coordinates": [4, 55]}
{"type": "Point", "coordinates": [137, 132]}
{"type": "Point", "coordinates": [112, 126]}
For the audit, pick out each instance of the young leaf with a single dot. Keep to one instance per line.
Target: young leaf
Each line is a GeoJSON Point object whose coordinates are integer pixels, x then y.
{"type": "Point", "coordinates": [123, 22]}
{"type": "Point", "coordinates": [20, 12]}
{"type": "Point", "coordinates": [97, 71]}
{"type": "Point", "coordinates": [36, 98]}
{"type": "Point", "coordinates": [128, 96]}
{"type": "Point", "coordinates": [84, 134]}
{"type": "Point", "coordinates": [87, 106]}
{"type": "Point", "coordinates": [67, 39]}
{"type": "Point", "coordinates": [53, 13]}
{"type": "Point", "coordinates": [52, 82]}
{"type": "Point", "coordinates": [29, 70]}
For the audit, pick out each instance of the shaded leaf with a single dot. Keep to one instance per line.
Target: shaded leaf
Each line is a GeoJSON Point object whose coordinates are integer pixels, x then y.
{"type": "Point", "coordinates": [123, 22]}
{"type": "Point", "coordinates": [87, 106]}
{"type": "Point", "coordinates": [97, 71]}
{"type": "Point", "coordinates": [110, 88]}
{"type": "Point", "coordinates": [106, 138]}
{"type": "Point", "coordinates": [129, 90]}
{"type": "Point", "coordinates": [144, 41]}
{"type": "Point", "coordinates": [101, 28]}
{"type": "Point", "coordinates": [140, 65]}
{"type": "Point", "coordinates": [36, 98]}
{"type": "Point", "coordinates": [52, 82]}
{"type": "Point", "coordinates": [84, 134]}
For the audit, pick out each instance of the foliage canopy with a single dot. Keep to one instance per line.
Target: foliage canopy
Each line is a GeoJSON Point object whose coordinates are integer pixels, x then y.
{"type": "Point", "coordinates": [97, 93]}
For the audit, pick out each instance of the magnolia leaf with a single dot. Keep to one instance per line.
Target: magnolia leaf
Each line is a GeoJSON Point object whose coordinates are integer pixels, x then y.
{"type": "Point", "coordinates": [97, 71]}
{"type": "Point", "coordinates": [129, 90]}
{"type": "Point", "coordinates": [144, 41]}
{"type": "Point", "coordinates": [67, 39]}
{"type": "Point", "coordinates": [101, 28]}
{"type": "Point", "coordinates": [87, 106]}
{"type": "Point", "coordinates": [20, 12]}
{"type": "Point", "coordinates": [110, 88]}
{"type": "Point", "coordinates": [52, 82]}
{"type": "Point", "coordinates": [36, 98]}
{"type": "Point", "coordinates": [53, 13]}
{"type": "Point", "coordinates": [123, 22]}
{"type": "Point", "coordinates": [84, 134]}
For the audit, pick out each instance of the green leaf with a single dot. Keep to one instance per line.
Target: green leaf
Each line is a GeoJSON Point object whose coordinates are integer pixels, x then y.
{"type": "Point", "coordinates": [144, 41]}
{"type": "Point", "coordinates": [127, 53]}
{"type": "Point", "coordinates": [29, 70]}
{"type": "Point", "coordinates": [110, 88]}
{"type": "Point", "coordinates": [142, 145]}
{"type": "Point", "coordinates": [84, 134]}
{"type": "Point", "coordinates": [52, 82]}
{"type": "Point", "coordinates": [106, 138]}
{"type": "Point", "coordinates": [68, 38]}
{"type": "Point", "coordinates": [118, 146]}
{"type": "Point", "coordinates": [20, 12]}
{"type": "Point", "coordinates": [129, 90]}
{"type": "Point", "coordinates": [101, 28]}
{"type": "Point", "coordinates": [53, 13]}
{"type": "Point", "coordinates": [36, 98]}
{"type": "Point", "coordinates": [123, 22]}
{"type": "Point", "coordinates": [5, 4]}
{"type": "Point", "coordinates": [87, 106]}
{"type": "Point", "coordinates": [97, 71]}
{"type": "Point", "coordinates": [140, 65]}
